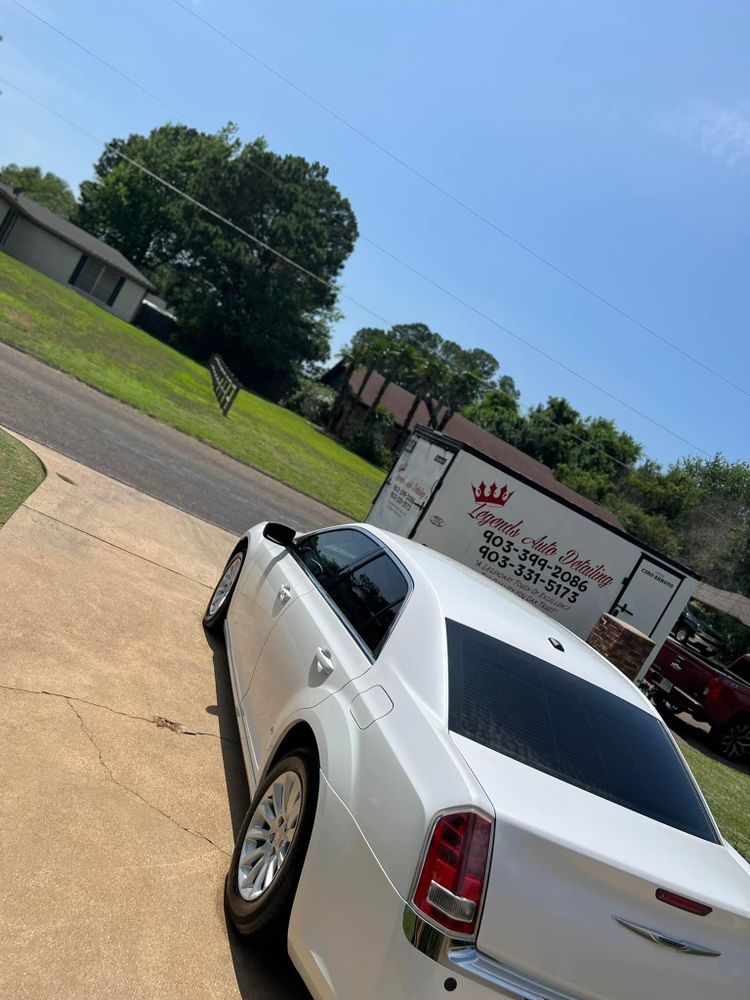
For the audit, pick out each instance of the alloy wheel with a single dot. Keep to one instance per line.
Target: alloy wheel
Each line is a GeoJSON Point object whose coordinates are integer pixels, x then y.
{"type": "Point", "coordinates": [735, 742]}
{"type": "Point", "coordinates": [269, 836]}
{"type": "Point", "coordinates": [224, 586]}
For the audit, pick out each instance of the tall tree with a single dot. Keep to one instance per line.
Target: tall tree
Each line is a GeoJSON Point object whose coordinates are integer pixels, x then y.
{"type": "Point", "coordinates": [713, 527]}
{"type": "Point", "coordinates": [46, 189]}
{"type": "Point", "coordinates": [498, 411]}
{"type": "Point", "coordinates": [232, 294]}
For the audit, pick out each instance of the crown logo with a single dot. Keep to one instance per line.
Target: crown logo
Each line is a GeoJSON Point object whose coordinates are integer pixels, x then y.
{"type": "Point", "coordinates": [498, 495]}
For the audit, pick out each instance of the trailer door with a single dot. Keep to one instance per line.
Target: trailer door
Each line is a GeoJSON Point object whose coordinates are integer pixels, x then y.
{"type": "Point", "coordinates": [411, 483]}
{"type": "Point", "coordinates": [647, 595]}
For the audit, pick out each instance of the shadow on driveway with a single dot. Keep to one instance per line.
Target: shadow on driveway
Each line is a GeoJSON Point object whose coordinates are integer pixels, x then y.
{"type": "Point", "coordinates": [261, 972]}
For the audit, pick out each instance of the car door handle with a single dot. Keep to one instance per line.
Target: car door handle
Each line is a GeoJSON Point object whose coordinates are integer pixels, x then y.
{"type": "Point", "coordinates": [323, 661]}
{"type": "Point", "coordinates": [285, 594]}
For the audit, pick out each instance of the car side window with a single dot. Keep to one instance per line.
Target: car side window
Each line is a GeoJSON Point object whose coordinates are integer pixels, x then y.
{"type": "Point", "coordinates": [370, 597]}
{"type": "Point", "coordinates": [327, 553]}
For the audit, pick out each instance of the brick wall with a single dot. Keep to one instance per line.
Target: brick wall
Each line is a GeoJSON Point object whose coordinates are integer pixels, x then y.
{"type": "Point", "coordinates": [622, 644]}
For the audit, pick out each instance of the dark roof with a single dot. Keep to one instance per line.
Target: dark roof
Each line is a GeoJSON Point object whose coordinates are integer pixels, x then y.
{"type": "Point", "coordinates": [399, 402]}
{"type": "Point", "coordinates": [74, 235]}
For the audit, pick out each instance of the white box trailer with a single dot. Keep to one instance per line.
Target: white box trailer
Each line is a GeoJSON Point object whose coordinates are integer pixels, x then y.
{"type": "Point", "coordinates": [558, 557]}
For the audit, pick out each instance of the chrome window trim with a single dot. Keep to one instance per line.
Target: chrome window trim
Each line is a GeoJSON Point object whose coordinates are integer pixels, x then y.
{"type": "Point", "coordinates": [463, 959]}
{"type": "Point", "coordinates": [381, 549]}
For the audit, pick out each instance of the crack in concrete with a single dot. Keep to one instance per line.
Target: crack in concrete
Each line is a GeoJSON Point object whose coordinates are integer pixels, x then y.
{"type": "Point", "coordinates": [160, 721]}
{"type": "Point", "coordinates": [114, 545]}
{"type": "Point", "coordinates": [151, 805]}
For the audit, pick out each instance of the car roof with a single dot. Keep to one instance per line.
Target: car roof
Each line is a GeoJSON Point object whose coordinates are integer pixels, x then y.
{"type": "Point", "coordinates": [467, 597]}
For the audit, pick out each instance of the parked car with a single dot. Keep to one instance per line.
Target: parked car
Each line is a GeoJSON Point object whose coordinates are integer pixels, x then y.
{"type": "Point", "coordinates": [693, 630]}
{"type": "Point", "coordinates": [452, 793]}
{"type": "Point", "coordinates": [682, 681]}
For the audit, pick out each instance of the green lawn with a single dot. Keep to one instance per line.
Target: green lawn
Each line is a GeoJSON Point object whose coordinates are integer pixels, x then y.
{"type": "Point", "coordinates": [728, 793]}
{"type": "Point", "coordinates": [59, 326]}
{"type": "Point", "coordinates": [20, 474]}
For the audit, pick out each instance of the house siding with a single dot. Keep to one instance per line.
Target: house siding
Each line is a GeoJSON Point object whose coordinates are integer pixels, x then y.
{"type": "Point", "coordinates": [57, 259]}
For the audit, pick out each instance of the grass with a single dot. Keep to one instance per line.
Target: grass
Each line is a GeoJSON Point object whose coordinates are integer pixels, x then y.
{"type": "Point", "coordinates": [727, 791]}
{"type": "Point", "coordinates": [20, 474]}
{"type": "Point", "coordinates": [68, 332]}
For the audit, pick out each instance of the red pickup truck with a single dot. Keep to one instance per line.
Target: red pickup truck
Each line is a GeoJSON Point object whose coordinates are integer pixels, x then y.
{"type": "Point", "coordinates": [681, 681]}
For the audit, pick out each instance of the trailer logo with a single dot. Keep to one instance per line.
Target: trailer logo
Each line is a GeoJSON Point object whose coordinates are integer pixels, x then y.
{"type": "Point", "coordinates": [498, 495]}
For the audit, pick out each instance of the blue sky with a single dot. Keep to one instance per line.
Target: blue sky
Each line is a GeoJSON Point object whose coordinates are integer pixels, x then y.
{"type": "Point", "coordinates": [613, 138]}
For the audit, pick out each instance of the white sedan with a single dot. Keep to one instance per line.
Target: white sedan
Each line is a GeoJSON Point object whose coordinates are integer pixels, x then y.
{"type": "Point", "coordinates": [452, 793]}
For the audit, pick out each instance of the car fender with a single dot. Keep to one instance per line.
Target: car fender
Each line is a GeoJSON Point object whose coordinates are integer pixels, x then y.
{"type": "Point", "coordinates": [393, 776]}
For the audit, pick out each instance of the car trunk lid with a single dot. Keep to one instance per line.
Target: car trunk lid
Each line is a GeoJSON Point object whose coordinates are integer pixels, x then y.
{"type": "Point", "coordinates": [571, 895]}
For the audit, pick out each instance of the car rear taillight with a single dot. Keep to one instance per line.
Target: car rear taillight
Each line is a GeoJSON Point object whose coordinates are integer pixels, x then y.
{"type": "Point", "coordinates": [713, 689]}
{"type": "Point", "coordinates": [683, 903]}
{"type": "Point", "coordinates": [450, 884]}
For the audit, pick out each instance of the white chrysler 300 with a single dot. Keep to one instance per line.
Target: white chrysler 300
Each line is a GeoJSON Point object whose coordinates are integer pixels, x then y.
{"type": "Point", "coordinates": [452, 793]}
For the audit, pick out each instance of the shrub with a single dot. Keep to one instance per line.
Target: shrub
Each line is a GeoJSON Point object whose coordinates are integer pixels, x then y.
{"type": "Point", "coordinates": [312, 400]}
{"type": "Point", "coordinates": [367, 441]}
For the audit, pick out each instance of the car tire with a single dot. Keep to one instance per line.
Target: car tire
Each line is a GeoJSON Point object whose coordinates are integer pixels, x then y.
{"type": "Point", "coordinates": [682, 634]}
{"type": "Point", "coordinates": [732, 740]}
{"type": "Point", "coordinates": [218, 605]}
{"type": "Point", "coordinates": [259, 904]}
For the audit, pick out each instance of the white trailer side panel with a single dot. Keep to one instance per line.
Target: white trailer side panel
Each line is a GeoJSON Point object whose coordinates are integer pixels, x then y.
{"type": "Point", "coordinates": [410, 484]}
{"type": "Point", "coordinates": [557, 559]}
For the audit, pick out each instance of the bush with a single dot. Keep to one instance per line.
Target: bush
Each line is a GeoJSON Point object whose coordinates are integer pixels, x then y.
{"type": "Point", "coordinates": [312, 400]}
{"type": "Point", "coordinates": [367, 441]}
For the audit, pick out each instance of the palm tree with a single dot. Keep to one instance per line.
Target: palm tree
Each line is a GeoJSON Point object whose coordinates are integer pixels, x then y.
{"type": "Point", "coordinates": [460, 389]}
{"type": "Point", "coordinates": [428, 376]}
{"type": "Point", "coordinates": [358, 354]}
{"type": "Point", "coordinates": [397, 359]}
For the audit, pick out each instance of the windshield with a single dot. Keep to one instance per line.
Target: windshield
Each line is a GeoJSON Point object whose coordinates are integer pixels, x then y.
{"type": "Point", "coordinates": [551, 720]}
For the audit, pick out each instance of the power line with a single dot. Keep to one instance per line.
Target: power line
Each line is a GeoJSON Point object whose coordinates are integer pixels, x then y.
{"type": "Point", "coordinates": [331, 285]}
{"type": "Point", "coordinates": [533, 347]}
{"type": "Point", "coordinates": [199, 204]}
{"type": "Point", "coordinates": [372, 243]}
{"type": "Point", "coordinates": [114, 69]}
{"type": "Point", "coordinates": [458, 201]}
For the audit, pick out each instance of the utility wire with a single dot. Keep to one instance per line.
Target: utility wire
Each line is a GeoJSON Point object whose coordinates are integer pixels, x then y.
{"type": "Point", "coordinates": [377, 246]}
{"type": "Point", "coordinates": [381, 249]}
{"type": "Point", "coordinates": [199, 204]}
{"type": "Point", "coordinates": [534, 347]}
{"type": "Point", "coordinates": [114, 69]}
{"type": "Point", "coordinates": [458, 201]}
{"type": "Point", "coordinates": [331, 285]}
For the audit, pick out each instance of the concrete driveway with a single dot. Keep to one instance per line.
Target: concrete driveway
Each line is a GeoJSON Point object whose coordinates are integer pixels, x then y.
{"type": "Point", "coordinates": [121, 779]}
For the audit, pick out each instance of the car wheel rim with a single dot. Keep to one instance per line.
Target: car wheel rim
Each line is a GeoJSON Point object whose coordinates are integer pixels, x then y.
{"type": "Point", "coordinates": [270, 834]}
{"type": "Point", "coordinates": [225, 584]}
{"type": "Point", "coordinates": [736, 742]}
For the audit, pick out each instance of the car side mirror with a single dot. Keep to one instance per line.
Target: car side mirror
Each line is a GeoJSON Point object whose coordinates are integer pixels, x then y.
{"type": "Point", "coordinates": [282, 534]}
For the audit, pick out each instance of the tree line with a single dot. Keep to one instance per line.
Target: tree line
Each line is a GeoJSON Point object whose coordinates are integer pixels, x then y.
{"type": "Point", "coordinates": [272, 323]}
{"type": "Point", "coordinates": [696, 510]}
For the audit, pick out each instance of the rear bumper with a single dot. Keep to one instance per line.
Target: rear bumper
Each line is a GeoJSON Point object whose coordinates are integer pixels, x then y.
{"type": "Point", "coordinates": [464, 962]}
{"type": "Point", "coordinates": [680, 700]}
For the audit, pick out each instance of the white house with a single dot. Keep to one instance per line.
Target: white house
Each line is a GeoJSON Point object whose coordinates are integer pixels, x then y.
{"type": "Point", "coordinates": [57, 248]}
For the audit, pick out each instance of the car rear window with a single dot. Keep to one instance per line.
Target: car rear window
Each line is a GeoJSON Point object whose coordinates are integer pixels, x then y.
{"type": "Point", "coordinates": [549, 719]}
